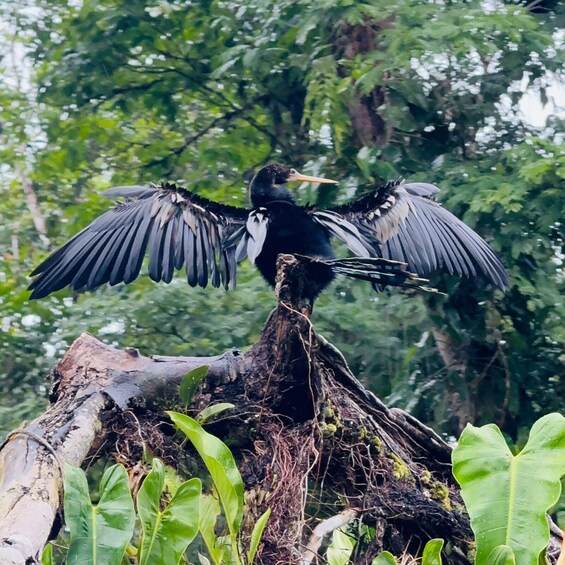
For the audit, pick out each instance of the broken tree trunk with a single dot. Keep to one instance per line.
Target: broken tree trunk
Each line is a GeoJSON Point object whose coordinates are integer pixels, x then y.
{"type": "Point", "coordinates": [311, 443]}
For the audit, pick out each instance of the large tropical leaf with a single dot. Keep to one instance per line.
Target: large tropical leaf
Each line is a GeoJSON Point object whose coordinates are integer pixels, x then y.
{"type": "Point", "coordinates": [221, 466]}
{"type": "Point", "coordinates": [508, 496]}
{"type": "Point", "coordinates": [340, 549]}
{"type": "Point", "coordinates": [432, 552]}
{"type": "Point", "coordinates": [384, 558]}
{"type": "Point", "coordinates": [99, 533]}
{"type": "Point", "coordinates": [167, 533]}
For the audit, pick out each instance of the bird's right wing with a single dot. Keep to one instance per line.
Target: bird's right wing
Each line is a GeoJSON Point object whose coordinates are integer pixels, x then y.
{"type": "Point", "coordinates": [176, 226]}
{"type": "Point", "coordinates": [403, 222]}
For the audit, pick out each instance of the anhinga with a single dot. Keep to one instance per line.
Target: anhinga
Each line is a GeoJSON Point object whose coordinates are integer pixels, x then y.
{"type": "Point", "coordinates": [396, 227]}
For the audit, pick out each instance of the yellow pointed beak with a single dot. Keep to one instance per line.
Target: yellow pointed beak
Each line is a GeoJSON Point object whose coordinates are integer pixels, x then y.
{"type": "Point", "coordinates": [305, 178]}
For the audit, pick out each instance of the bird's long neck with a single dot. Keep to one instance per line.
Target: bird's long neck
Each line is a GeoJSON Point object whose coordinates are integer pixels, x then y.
{"type": "Point", "coordinates": [263, 194]}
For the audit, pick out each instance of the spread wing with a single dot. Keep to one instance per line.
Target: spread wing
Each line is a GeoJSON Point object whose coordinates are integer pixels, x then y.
{"type": "Point", "coordinates": [175, 227]}
{"type": "Point", "coordinates": [403, 222]}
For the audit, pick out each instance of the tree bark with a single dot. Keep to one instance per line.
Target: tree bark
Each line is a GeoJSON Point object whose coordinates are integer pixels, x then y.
{"type": "Point", "coordinates": [349, 41]}
{"type": "Point", "coordinates": [311, 443]}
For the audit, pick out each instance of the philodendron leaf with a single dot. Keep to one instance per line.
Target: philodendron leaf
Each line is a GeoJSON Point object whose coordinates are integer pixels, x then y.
{"type": "Point", "coordinates": [340, 549]}
{"type": "Point", "coordinates": [220, 464]}
{"type": "Point", "coordinates": [384, 558]}
{"type": "Point", "coordinates": [167, 533]}
{"type": "Point", "coordinates": [99, 534]}
{"type": "Point", "coordinates": [507, 496]}
{"type": "Point", "coordinates": [501, 555]}
{"type": "Point", "coordinates": [190, 383]}
{"type": "Point", "coordinates": [432, 552]}
{"type": "Point", "coordinates": [256, 535]}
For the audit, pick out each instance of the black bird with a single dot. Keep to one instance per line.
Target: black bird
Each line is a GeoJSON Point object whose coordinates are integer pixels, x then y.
{"type": "Point", "coordinates": [396, 229]}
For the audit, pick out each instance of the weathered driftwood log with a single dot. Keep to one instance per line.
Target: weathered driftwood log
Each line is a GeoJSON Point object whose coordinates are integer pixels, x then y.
{"type": "Point", "coordinates": [312, 444]}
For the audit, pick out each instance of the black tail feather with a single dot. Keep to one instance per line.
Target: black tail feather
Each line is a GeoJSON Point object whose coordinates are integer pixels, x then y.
{"type": "Point", "coordinates": [378, 271]}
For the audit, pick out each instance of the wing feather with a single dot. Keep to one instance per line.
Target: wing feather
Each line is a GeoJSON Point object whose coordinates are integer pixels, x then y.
{"type": "Point", "coordinates": [176, 227]}
{"type": "Point", "coordinates": [190, 255]}
{"type": "Point", "coordinates": [80, 279]}
{"type": "Point", "coordinates": [403, 222]}
{"type": "Point", "coordinates": [437, 252]}
{"type": "Point", "coordinates": [168, 252]}
{"type": "Point", "coordinates": [100, 272]}
{"type": "Point", "coordinates": [178, 242]}
{"type": "Point", "coordinates": [65, 270]}
{"type": "Point", "coordinates": [138, 248]}
{"type": "Point", "coordinates": [155, 251]}
{"type": "Point", "coordinates": [257, 224]}
{"type": "Point", "coordinates": [118, 271]}
{"type": "Point", "coordinates": [345, 231]}
{"type": "Point", "coordinates": [424, 253]}
{"type": "Point", "coordinates": [214, 240]}
{"type": "Point", "coordinates": [201, 259]}
{"type": "Point", "coordinates": [452, 255]}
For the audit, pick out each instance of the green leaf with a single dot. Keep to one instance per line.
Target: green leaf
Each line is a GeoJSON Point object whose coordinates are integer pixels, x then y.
{"type": "Point", "coordinates": [47, 555]}
{"type": "Point", "coordinates": [432, 552]}
{"type": "Point", "coordinates": [99, 534]}
{"type": "Point", "coordinates": [167, 533]}
{"type": "Point", "coordinates": [340, 549]}
{"type": "Point", "coordinates": [384, 558]}
{"type": "Point", "coordinates": [384, 170]}
{"type": "Point", "coordinates": [220, 464]}
{"type": "Point", "coordinates": [209, 512]}
{"type": "Point", "coordinates": [507, 496]}
{"type": "Point", "coordinates": [210, 411]}
{"type": "Point", "coordinates": [172, 480]}
{"type": "Point", "coordinates": [190, 383]}
{"type": "Point", "coordinates": [501, 555]}
{"type": "Point", "coordinates": [257, 534]}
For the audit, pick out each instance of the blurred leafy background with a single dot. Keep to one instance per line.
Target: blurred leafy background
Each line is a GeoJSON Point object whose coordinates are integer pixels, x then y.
{"type": "Point", "coordinates": [461, 93]}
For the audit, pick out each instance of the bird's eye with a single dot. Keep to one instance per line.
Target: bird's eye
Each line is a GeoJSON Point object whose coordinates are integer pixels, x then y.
{"type": "Point", "coordinates": [293, 172]}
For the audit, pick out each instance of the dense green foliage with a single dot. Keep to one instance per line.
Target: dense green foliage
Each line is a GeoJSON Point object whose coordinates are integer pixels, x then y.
{"type": "Point", "coordinates": [170, 513]}
{"type": "Point", "coordinates": [510, 528]}
{"type": "Point", "coordinates": [118, 92]}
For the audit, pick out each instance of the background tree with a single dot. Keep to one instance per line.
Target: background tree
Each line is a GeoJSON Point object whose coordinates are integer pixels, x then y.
{"type": "Point", "coordinates": [123, 92]}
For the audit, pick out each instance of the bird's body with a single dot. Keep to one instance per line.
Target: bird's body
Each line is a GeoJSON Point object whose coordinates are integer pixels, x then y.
{"type": "Point", "coordinates": [395, 229]}
{"type": "Point", "coordinates": [292, 231]}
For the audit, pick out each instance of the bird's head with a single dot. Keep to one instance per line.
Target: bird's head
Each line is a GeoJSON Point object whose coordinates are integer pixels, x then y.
{"type": "Point", "coordinates": [268, 183]}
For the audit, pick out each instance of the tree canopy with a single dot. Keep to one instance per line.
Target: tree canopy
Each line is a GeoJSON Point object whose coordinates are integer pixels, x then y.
{"type": "Point", "coordinates": [202, 93]}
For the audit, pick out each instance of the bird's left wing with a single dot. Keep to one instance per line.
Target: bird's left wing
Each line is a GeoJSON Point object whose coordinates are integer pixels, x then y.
{"type": "Point", "coordinates": [403, 222]}
{"type": "Point", "coordinates": [177, 228]}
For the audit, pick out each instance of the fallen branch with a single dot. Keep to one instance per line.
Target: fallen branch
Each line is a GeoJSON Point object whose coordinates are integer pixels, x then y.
{"type": "Point", "coordinates": [94, 381]}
